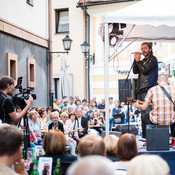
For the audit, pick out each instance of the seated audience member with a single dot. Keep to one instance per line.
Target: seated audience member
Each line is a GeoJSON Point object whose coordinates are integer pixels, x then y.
{"type": "Point", "coordinates": [82, 123]}
{"type": "Point", "coordinates": [126, 150]}
{"type": "Point", "coordinates": [34, 128]}
{"type": "Point", "coordinates": [55, 125]}
{"type": "Point", "coordinates": [49, 111]}
{"type": "Point", "coordinates": [78, 105]}
{"type": "Point", "coordinates": [43, 118]}
{"type": "Point", "coordinates": [148, 164]}
{"type": "Point", "coordinates": [110, 145]}
{"type": "Point", "coordinates": [37, 109]}
{"type": "Point", "coordinates": [91, 165]}
{"type": "Point", "coordinates": [54, 144]}
{"type": "Point", "coordinates": [10, 150]}
{"type": "Point", "coordinates": [70, 141]}
{"type": "Point", "coordinates": [73, 127]}
{"type": "Point", "coordinates": [91, 145]}
{"type": "Point", "coordinates": [71, 110]}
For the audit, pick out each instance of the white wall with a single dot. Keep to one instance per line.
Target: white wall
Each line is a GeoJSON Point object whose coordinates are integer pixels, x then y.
{"type": "Point", "coordinates": [32, 18]}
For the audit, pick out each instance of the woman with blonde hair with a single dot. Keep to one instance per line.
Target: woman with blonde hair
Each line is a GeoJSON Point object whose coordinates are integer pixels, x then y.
{"type": "Point", "coordinates": [110, 146]}
{"type": "Point", "coordinates": [148, 164]}
{"type": "Point", "coordinates": [71, 141]}
{"type": "Point", "coordinates": [34, 128]}
{"type": "Point", "coordinates": [55, 125]}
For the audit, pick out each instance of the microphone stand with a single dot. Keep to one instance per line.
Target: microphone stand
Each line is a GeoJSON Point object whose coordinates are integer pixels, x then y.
{"type": "Point", "coordinates": [124, 86]}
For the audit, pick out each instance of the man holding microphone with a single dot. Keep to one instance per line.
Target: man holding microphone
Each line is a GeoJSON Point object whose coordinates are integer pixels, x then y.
{"type": "Point", "coordinates": [147, 70]}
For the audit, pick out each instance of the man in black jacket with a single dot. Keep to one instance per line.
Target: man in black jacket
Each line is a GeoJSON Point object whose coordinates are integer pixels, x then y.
{"type": "Point", "coordinates": [82, 123]}
{"type": "Point", "coordinates": [7, 112]}
{"type": "Point", "coordinates": [147, 70]}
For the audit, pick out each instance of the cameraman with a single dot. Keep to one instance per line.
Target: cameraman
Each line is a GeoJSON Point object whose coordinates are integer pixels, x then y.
{"type": "Point", "coordinates": [7, 112]}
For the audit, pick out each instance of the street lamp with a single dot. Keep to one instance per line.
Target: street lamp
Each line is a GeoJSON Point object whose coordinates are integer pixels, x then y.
{"type": "Point", "coordinates": [85, 47]}
{"type": "Point", "coordinates": [67, 46]}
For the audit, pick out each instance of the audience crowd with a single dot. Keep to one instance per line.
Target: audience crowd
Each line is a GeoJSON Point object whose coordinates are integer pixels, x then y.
{"type": "Point", "coordinates": [71, 132]}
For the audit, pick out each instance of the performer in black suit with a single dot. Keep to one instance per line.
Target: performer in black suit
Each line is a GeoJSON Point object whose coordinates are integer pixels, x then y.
{"type": "Point", "coordinates": [82, 123]}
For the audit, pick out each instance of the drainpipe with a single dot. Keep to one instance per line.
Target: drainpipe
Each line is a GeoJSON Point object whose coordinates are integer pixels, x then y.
{"type": "Point", "coordinates": [50, 56]}
{"type": "Point", "coordinates": [87, 38]}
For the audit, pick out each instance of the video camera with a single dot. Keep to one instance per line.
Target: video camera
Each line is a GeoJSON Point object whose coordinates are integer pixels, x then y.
{"type": "Point", "coordinates": [18, 99]}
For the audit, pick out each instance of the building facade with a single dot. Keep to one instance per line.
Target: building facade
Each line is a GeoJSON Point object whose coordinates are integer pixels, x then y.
{"type": "Point", "coordinates": [23, 45]}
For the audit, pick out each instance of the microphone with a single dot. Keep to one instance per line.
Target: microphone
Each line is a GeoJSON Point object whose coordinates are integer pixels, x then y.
{"type": "Point", "coordinates": [139, 52]}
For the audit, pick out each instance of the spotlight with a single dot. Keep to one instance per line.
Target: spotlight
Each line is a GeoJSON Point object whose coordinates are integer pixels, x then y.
{"type": "Point", "coordinates": [113, 39]}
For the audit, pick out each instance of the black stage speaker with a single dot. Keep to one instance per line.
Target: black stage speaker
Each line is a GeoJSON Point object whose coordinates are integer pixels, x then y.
{"type": "Point", "coordinates": [157, 137]}
{"type": "Point", "coordinates": [124, 129]}
{"type": "Point", "coordinates": [103, 134]}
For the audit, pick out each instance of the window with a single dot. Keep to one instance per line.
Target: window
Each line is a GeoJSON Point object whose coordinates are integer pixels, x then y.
{"type": "Point", "coordinates": [12, 67]}
{"type": "Point", "coordinates": [30, 2]}
{"type": "Point", "coordinates": [62, 21]}
{"type": "Point", "coordinates": [31, 80]}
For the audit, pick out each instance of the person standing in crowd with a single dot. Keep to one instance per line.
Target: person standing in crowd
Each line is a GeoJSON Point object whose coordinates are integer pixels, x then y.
{"type": "Point", "coordinates": [102, 106]}
{"type": "Point", "coordinates": [163, 108]}
{"type": "Point", "coordinates": [7, 112]}
{"type": "Point", "coordinates": [117, 113]}
{"type": "Point", "coordinates": [72, 104]}
{"type": "Point", "coordinates": [76, 98]}
{"type": "Point", "coordinates": [94, 106]}
{"type": "Point", "coordinates": [111, 107]}
{"type": "Point", "coordinates": [82, 123]}
{"type": "Point", "coordinates": [65, 104]}
{"type": "Point", "coordinates": [10, 150]}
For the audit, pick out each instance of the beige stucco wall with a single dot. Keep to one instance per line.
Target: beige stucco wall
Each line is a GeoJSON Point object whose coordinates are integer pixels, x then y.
{"type": "Point", "coordinates": [75, 58]}
{"type": "Point", "coordinates": [32, 18]}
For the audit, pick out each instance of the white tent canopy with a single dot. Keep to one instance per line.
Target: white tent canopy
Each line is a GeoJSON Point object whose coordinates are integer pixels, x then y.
{"type": "Point", "coordinates": [154, 19]}
{"type": "Point", "coordinates": [145, 20]}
